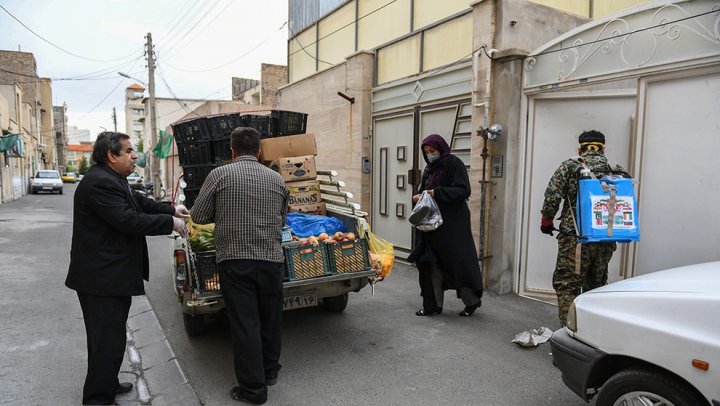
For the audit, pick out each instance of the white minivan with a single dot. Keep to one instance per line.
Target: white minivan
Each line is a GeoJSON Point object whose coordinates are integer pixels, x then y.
{"type": "Point", "coordinates": [649, 340]}
{"type": "Point", "coordinates": [46, 180]}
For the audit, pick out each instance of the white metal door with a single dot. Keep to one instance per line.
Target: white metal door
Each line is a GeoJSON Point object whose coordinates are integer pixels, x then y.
{"type": "Point", "coordinates": [392, 192]}
{"type": "Point", "coordinates": [554, 123]}
{"type": "Point", "coordinates": [679, 171]}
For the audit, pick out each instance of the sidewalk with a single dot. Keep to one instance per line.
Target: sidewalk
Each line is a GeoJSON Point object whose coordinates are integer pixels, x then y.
{"type": "Point", "coordinates": [150, 363]}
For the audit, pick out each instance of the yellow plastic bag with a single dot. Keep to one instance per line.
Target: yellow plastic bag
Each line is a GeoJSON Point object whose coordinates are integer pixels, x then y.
{"type": "Point", "coordinates": [382, 253]}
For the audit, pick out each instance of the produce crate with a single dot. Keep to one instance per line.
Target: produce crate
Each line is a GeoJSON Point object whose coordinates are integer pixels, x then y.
{"type": "Point", "coordinates": [221, 148]}
{"type": "Point", "coordinates": [260, 123]}
{"type": "Point", "coordinates": [306, 261]}
{"type": "Point", "coordinates": [190, 196]}
{"type": "Point", "coordinates": [349, 256]}
{"type": "Point", "coordinates": [193, 130]}
{"type": "Point", "coordinates": [194, 175]}
{"type": "Point", "coordinates": [207, 272]}
{"type": "Point", "coordinates": [287, 123]}
{"type": "Point", "coordinates": [221, 126]}
{"type": "Point", "coordinates": [195, 153]}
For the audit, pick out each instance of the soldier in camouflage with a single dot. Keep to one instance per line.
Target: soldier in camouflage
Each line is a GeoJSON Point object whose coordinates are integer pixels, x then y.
{"type": "Point", "coordinates": [594, 257]}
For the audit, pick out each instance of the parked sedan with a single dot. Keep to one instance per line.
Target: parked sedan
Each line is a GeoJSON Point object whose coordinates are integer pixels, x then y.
{"type": "Point", "coordinates": [135, 181]}
{"type": "Point", "coordinates": [69, 177]}
{"type": "Point", "coordinates": [46, 180]}
{"type": "Point", "coordinates": [653, 339]}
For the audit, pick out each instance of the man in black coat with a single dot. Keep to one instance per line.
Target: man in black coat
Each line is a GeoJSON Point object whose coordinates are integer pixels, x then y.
{"type": "Point", "coordinates": [109, 258]}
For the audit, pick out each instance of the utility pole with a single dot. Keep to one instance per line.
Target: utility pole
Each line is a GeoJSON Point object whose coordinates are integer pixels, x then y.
{"type": "Point", "coordinates": [114, 117]}
{"type": "Point", "coordinates": [154, 161]}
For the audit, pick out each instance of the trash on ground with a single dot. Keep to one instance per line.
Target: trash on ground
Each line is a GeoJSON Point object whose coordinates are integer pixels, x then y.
{"type": "Point", "coordinates": [533, 338]}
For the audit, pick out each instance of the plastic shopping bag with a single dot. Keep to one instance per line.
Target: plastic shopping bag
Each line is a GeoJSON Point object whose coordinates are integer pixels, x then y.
{"type": "Point", "coordinates": [305, 225]}
{"type": "Point", "coordinates": [382, 252]}
{"type": "Point", "coordinates": [426, 214]}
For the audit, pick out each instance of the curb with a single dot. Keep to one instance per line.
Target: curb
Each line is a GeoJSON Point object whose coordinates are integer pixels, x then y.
{"type": "Point", "coordinates": [151, 364]}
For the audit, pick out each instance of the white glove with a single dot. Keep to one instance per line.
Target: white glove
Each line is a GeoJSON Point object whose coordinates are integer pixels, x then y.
{"type": "Point", "coordinates": [181, 211]}
{"type": "Point", "coordinates": [180, 227]}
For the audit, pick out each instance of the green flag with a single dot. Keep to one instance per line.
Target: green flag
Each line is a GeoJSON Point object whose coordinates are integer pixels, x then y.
{"type": "Point", "coordinates": [162, 149]}
{"type": "Point", "coordinates": [7, 142]}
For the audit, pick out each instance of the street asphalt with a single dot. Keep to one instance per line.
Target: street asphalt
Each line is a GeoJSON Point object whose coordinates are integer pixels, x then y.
{"type": "Point", "coordinates": [375, 353]}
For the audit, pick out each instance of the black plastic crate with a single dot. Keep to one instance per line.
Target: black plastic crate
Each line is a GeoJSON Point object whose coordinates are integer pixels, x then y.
{"type": "Point", "coordinates": [190, 195]}
{"type": "Point", "coordinates": [195, 153]}
{"type": "Point", "coordinates": [287, 123]}
{"type": "Point", "coordinates": [221, 126]}
{"type": "Point", "coordinates": [195, 175]}
{"type": "Point", "coordinates": [207, 272]}
{"type": "Point", "coordinates": [193, 130]}
{"type": "Point", "coordinates": [260, 123]}
{"type": "Point", "coordinates": [221, 148]}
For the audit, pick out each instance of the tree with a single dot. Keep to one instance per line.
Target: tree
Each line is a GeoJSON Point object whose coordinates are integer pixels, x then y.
{"type": "Point", "coordinates": [83, 166]}
{"type": "Point", "coordinates": [69, 168]}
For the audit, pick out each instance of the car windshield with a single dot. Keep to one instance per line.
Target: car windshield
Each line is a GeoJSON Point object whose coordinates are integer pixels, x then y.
{"type": "Point", "coordinates": [47, 175]}
{"type": "Point", "coordinates": [70, 174]}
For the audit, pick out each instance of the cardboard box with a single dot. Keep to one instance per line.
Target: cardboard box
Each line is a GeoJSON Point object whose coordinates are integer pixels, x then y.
{"type": "Point", "coordinates": [310, 208]}
{"type": "Point", "coordinates": [295, 168]}
{"type": "Point", "coordinates": [293, 145]}
{"type": "Point", "coordinates": [304, 192]}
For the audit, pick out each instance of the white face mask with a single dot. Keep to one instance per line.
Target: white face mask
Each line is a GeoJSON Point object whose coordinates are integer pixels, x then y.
{"type": "Point", "coordinates": [432, 156]}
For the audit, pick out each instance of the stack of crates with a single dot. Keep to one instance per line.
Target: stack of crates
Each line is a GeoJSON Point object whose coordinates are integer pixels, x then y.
{"type": "Point", "coordinates": [195, 153]}
{"type": "Point", "coordinates": [203, 143]}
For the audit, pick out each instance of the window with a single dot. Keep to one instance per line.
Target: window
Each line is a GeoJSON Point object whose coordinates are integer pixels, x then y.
{"type": "Point", "coordinates": [139, 111]}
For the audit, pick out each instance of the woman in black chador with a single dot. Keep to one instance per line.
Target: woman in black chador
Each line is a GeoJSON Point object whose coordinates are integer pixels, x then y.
{"type": "Point", "coordinates": [446, 258]}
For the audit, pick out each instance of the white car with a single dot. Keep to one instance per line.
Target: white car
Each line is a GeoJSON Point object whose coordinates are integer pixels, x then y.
{"type": "Point", "coordinates": [46, 180]}
{"type": "Point", "coordinates": [649, 340]}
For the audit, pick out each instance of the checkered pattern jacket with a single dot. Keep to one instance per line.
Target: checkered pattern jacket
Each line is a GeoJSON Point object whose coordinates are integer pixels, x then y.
{"type": "Point", "coordinates": [248, 203]}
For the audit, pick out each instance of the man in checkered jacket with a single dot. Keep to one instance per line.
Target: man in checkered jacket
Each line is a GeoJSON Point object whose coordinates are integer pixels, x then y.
{"type": "Point", "coordinates": [248, 203]}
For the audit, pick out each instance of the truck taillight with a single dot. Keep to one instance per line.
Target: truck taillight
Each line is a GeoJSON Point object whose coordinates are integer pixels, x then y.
{"type": "Point", "coordinates": [181, 270]}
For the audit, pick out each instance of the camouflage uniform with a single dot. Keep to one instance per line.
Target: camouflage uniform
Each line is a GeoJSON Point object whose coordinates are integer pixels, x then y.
{"type": "Point", "coordinates": [595, 256]}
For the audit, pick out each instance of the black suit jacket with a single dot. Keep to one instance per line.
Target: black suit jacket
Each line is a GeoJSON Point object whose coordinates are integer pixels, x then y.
{"type": "Point", "coordinates": [109, 255]}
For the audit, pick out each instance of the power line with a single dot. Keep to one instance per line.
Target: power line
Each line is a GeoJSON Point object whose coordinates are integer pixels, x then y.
{"type": "Point", "coordinates": [198, 22]}
{"type": "Point", "coordinates": [162, 42]}
{"type": "Point", "coordinates": [232, 60]}
{"type": "Point", "coordinates": [230, 2]}
{"type": "Point", "coordinates": [103, 100]}
{"type": "Point", "coordinates": [333, 32]}
{"type": "Point", "coordinates": [57, 46]}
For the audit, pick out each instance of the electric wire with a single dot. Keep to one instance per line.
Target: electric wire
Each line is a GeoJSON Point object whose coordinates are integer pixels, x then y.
{"type": "Point", "coordinates": [177, 51]}
{"type": "Point", "coordinates": [196, 24]}
{"type": "Point", "coordinates": [166, 41]}
{"type": "Point", "coordinates": [339, 29]}
{"type": "Point", "coordinates": [230, 61]}
{"type": "Point", "coordinates": [59, 47]}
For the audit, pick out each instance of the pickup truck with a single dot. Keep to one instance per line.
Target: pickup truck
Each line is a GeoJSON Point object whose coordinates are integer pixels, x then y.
{"type": "Point", "coordinates": [197, 283]}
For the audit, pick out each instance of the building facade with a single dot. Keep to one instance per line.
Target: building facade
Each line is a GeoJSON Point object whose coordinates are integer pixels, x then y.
{"type": "Point", "coordinates": [61, 136]}
{"type": "Point", "coordinates": [376, 77]}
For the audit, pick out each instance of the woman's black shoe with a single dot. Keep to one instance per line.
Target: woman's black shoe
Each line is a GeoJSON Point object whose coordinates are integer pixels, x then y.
{"type": "Point", "coordinates": [423, 312]}
{"type": "Point", "coordinates": [469, 310]}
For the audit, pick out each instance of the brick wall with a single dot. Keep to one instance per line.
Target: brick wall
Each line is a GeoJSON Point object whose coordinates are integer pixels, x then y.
{"type": "Point", "coordinates": [272, 78]}
{"type": "Point", "coordinates": [24, 64]}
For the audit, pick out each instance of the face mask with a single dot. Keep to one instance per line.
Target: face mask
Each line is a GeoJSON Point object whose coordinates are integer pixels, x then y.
{"type": "Point", "coordinates": [432, 156]}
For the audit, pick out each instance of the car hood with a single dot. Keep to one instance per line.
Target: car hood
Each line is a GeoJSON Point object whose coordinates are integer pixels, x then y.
{"type": "Point", "coordinates": [697, 278]}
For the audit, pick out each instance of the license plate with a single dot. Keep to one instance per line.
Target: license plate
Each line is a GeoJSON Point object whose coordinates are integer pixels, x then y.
{"type": "Point", "coordinates": [47, 187]}
{"type": "Point", "coordinates": [300, 301]}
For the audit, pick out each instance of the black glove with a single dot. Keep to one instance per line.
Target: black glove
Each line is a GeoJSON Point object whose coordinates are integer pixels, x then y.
{"type": "Point", "coordinates": [546, 226]}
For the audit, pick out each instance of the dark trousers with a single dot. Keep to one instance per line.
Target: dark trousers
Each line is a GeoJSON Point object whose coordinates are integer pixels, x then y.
{"type": "Point", "coordinates": [253, 295]}
{"type": "Point", "coordinates": [105, 320]}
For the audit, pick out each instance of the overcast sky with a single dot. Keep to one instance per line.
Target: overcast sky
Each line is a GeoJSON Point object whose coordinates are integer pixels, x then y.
{"type": "Point", "coordinates": [199, 44]}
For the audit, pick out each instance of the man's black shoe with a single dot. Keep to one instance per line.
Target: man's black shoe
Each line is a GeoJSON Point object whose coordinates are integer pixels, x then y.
{"type": "Point", "coordinates": [236, 394]}
{"type": "Point", "coordinates": [124, 387]}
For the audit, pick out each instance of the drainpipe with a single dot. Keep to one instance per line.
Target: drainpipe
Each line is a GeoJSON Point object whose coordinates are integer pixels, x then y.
{"type": "Point", "coordinates": [483, 182]}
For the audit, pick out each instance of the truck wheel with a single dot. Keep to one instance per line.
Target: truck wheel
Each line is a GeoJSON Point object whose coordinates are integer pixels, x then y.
{"type": "Point", "coordinates": [194, 325]}
{"type": "Point", "coordinates": [335, 304]}
{"type": "Point", "coordinates": [647, 386]}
